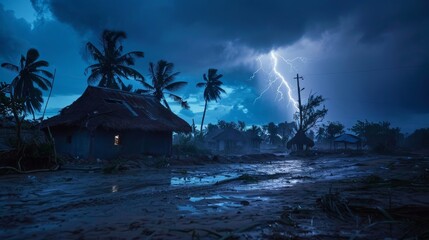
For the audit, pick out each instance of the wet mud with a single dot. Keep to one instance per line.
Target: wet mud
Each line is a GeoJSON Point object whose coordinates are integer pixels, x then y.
{"type": "Point", "coordinates": [366, 197]}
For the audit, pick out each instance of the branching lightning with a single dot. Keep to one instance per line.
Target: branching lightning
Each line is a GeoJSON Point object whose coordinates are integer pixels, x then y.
{"type": "Point", "coordinates": [260, 68]}
{"type": "Point", "coordinates": [276, 79]}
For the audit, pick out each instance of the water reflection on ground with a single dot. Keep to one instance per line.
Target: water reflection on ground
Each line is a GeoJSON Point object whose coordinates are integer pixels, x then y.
{"type": "Point", "coordinates": [33, 205]}
{"type": "Point", "coordinates": [207, 175]}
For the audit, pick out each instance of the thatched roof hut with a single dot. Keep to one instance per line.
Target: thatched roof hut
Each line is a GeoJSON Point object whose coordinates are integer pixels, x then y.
{"type": "Point", "coordinates": [300, 140]}
{"type": "Point", "coordinates": [348, 139]}
{"type": "Point", "coordinates": [230, 140]}
{"type": "Point", "coordinates": [114, 109]}
{"type": "Point", "coordinates": [230, 134]}
{"type": "Point", "coordinates": [106, 123]}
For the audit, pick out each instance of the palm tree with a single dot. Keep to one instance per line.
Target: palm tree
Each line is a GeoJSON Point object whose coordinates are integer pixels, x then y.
{"type": "Point", "coordinates": [112, 66]}
{"type": "Point", "coordinates": [163, 83]}
{"type": "Point", "coordinates": [30, 73]}
{"type": "Point", "coordinates": [272, 131]}
{"type": "Point", "coordinates": [212, 89]}
{"type": "Point", "coordinates": [25, 97]}
{"type": "Point", "coordinates": [241, 126]}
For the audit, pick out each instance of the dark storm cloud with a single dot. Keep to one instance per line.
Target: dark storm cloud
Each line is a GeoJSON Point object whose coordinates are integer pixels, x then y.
{"type": "Point", "coordinates": [12, 31]}
{"type": "Point", "coordinates": [57, 43]}
{"type": "Point", "coordinates": [230, 34]}
{"type": "Point", "coordinates": [205, 25]}
{"type": "Point", "coordinates": [261, 25]}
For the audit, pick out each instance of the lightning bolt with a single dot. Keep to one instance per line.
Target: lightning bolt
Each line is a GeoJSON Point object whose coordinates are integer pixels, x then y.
{"type": "Point", "coordinates": [283, 82]}
{"type": "Point", "coordinates": [275, 78]}
{"type": "Point", "coordinates": [260, 68]}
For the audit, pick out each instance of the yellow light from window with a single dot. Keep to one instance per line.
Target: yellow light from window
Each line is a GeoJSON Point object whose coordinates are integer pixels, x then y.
{"type": "Point", "coordinates": [117, 140]}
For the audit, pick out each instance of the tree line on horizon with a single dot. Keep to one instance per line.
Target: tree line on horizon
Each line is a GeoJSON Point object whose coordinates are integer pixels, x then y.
{"type": "Point", "coordinates": [379, 137]}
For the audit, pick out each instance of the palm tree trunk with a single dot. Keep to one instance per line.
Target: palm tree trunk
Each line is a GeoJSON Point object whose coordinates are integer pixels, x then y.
{"type": "Point", "coordinates": [18, 128]}
{"type": "Point", "coordinates": [202, 121]}
{"type": "Point", "coordinates": [18, 121]}
{"type": "Point", "coordinates": [166, 103]}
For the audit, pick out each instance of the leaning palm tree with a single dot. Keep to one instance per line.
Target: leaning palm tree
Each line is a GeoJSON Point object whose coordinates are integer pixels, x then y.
{"type": "Point", "coordinates": [29, 73]}
{"type": "Point", "coordinates": [111, 64]}
{"type": "Point", "coordinates": [212, 90]}
{"type": "Point", "coordinates": [26, 88]}
{"type": "Point", "coordinates": [163, 83]}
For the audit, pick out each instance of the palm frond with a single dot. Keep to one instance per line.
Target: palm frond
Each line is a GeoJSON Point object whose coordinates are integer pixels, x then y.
{"type": "Point", "coordinates": [92, 68]}
{"type": "Point", "coordinates": [218, 77]}
{"type": "Point", "coordinates": [201, 84]}
{"type": "Point", "coordinates": [38, 64]}
{"type": "Point", "coordinates": [221, 90]}
{"type": "Point", "coordinates": [142, 91]}
{"type": "Point", "coordinates": [33, 101]}
{"type": "Point", "coordinates": [94, 77]}
{"type": "Point", "coordinates": [10, 66]}
{"type": "Point", "coordinates": [22, 62]}
{"type": "Point", "coordinates": [118, 35]}
{"type": "Point", "coordinates": [94, 52]}
{"type": "Point", "coordinates": [212, 89]}
{"type": "Point", "coordinates": [128, 58]}
{"type": "Point", "coordinates": [41, 82]}
{"type": "Point", "coordinates": [147, 85]}
{"type": "Point", "coordinates": [184, 104]}
{"type": "Point", "coordinates": [130, 72]}
{"type": "Point", "coordinates": [14, 82]}
{"type": "Point", "coordinates": [170, 78]}
{"type": "Point", "coordinates": [45, 73]}
{"type": "Point", "coordinates": [133, 54]}
{"type": "Point", "coordinates": [175, 86]}
{"type": "Point", "coordinates": [103, 81]}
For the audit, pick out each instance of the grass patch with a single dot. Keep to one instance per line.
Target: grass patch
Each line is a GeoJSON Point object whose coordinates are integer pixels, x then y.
{"type": "Point", "coordinates": [334, 205]}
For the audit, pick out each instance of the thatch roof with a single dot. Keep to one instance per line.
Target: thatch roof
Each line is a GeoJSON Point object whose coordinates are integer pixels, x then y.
{"type": "Point", "coordinates": [114, 109]}
{"type": "Point", "coordinates": [229, 134]}
{"type": "Point", "coordinates": [300, 139]}
{"type": "Point", "coordinates": [347, 138]}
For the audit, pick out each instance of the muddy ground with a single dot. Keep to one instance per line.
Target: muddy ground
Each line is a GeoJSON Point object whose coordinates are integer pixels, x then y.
{"type": "Point", "coordinates": [330, 197]}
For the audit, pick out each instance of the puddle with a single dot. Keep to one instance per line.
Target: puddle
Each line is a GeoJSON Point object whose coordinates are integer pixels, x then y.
{"type": "Point", "coordinates": [200, 179]}
{"type": "Point", "coordinates": [271, 184]}
{"type": "Point", "coordinates": [219, 203]}
{"type": "Point", "coordinates": [197, 199]}
{"type": "Point", "coordinates": [225, 205]}
{"type": "Point", "coordinates": [187, 208]}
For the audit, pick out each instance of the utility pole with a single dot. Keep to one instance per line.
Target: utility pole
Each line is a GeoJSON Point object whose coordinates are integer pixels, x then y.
{"type": "Point", "coordinates": [299, 99]}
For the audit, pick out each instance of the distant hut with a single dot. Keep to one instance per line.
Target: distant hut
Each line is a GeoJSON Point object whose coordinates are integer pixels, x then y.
{"type": "Point", "coordinates": [254, 141]}
{"type": "Point", "coordinates": [300, 141]}
{"type": "Point", "coordinates": [105, 123]}
{"type": "Point", "coordinates": [347, 140]}
{"type": "Point", "coordinates": [227, 140]}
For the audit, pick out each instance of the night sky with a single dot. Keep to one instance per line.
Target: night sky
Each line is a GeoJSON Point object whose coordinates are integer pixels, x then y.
{"type": "Point", "coordinates": [370, 59]}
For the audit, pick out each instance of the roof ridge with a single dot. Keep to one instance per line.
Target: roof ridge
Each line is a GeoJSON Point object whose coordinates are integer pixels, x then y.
{"type": "Point", "coordinates": [121, 91]}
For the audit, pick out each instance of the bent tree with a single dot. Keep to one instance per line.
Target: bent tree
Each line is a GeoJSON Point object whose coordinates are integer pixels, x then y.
{"type": "Point", "coordinates": [212, 90]}
{"type": "Point", "coordinates": [163, 82]}
{"type": "Point", "coordinates": [26, 87]}
{"type": "Point", "coordinates": [111, 64]}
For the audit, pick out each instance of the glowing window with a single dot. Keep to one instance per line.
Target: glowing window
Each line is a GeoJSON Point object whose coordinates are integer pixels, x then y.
{"type": "Point", "coordinates": [117, 140]}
